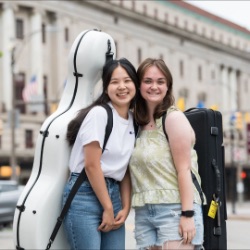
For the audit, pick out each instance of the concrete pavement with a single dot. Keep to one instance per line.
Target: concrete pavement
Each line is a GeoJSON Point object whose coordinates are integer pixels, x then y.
{"type": "Point", "coordinates": [238, 227]}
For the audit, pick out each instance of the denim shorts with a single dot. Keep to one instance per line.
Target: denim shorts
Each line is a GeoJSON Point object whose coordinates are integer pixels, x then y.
{"type": "Point", "coordinates": [85, 215]}
{"type": "Point", "coordinates": [159, 223]}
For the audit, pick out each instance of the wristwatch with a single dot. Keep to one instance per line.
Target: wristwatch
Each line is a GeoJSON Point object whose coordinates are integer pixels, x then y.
{"type": "Point", "coordinates": [187, 213]}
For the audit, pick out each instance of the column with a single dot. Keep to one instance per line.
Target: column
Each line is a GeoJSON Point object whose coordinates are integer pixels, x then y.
{"type": "Point", "coordinates": [232, 90]}
{"type": "Point", "coordinates": [36, 58]}
{"type": "Point", "coordinates": [225, 109]}
{"type": "Point", "coordinates": [36, 47]}
{"type": "Point", "coordinates": [224, 81]}
{"type": "Point", "coordinates": [8, 18]}
{"type": "Point", "coordinates": [57, 49]}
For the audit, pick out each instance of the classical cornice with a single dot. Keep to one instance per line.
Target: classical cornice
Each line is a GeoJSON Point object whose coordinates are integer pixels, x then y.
{"type": "Point", "coordinates": [182, 34]}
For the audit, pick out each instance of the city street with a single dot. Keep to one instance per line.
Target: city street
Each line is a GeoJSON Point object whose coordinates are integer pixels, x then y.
{"type": "Point", "coordinates": [238, 227]}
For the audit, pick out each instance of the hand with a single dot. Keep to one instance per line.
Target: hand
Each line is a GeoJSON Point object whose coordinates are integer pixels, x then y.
{"type": "Point", "coordinates": [187, 229]}
{"type": "Point", "coordinates": [107, 221]}
{"type": "Point", "coordinates": [120, 219]}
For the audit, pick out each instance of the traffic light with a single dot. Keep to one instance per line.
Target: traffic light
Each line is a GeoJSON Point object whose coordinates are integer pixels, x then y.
{"type": "Point", "coordinates": [243, 175]}
{"type": "Point", "coordinates": [6, 171]}
{"type": "Point", "coordinates": [238, 121]}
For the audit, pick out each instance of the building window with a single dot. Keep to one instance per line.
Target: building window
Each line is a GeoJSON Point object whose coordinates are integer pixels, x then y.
{"type": "Point", "coordinates": [19, 86]}
{"type": "Point", "coordinates": [195, 28]}
{"type": "Point", "coordinates": [19, 28]}
{"type": "Point", "coordinates": [181, 65]}
{"type": "Point", "coordinates": [213, 75]}
{"type": "Point", "coordinates": [186, 24]}
{"type": "Point", "coordinates": [246, 86]}
{"type": "Point", "coordinates": [237, 44]}
{"type": "Point", "coordinates": [184, 93]}
{"type": "Point", "coordinates": [204, 31]}
{"type": "Point", "coordinates": [116, 46]}
{"type": "Point", "coordinates": [144, 9]}
{"type": "Point", "coordinates": [28, 138]}
{"type": "Point", "coordinates": [166, 17]}
{"type": "Point", "coordinates": [202, 97]}
{"type": "Point", "coordinates": [176, 20]}
{"type": "Point", "coordinates": [199, 73]}
{"type": "Point", "coordinates": [133, 5]}
{"type": "Point", "coordinates": [221, 38]}
{"type": "Point", "coordinates": [43, 33]}
{"type": "Point", "coordinates": [66, 34]}
{"type": "Point", "coordinates": [212, 34]}
{"type": "Point", "coordinates": [45, 92]}
{"type": "Point", "coordinates": [115, 19]}
{"type": "Point", "coordinates": [1, 132]}
{"type": "Point", "coordinates": [139, 55]}
{"type": "Point", "coordinates": [155, 14]}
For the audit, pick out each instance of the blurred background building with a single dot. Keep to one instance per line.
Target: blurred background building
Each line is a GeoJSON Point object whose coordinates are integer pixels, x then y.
{"type": "Point", "coordinates": [208, 56]}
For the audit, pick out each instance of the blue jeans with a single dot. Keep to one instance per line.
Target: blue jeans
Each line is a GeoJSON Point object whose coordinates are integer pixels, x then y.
{"type": "Point", "coordinates": [85, 216]}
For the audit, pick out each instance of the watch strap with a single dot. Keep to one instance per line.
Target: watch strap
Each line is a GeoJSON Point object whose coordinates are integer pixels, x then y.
{"type": "Point", "coordinates": [187, 213]}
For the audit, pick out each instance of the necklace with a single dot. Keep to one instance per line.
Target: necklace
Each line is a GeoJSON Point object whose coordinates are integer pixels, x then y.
{"type": "Point", "coordinates": [151, 125]}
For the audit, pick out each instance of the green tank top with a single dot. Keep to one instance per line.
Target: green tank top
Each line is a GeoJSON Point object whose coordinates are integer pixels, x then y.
{"type": "Point", "coordinates": [153, 175]}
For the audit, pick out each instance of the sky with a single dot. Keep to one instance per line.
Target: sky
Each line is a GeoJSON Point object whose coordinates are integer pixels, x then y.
{"type": "Point", "coordinates": [235, 11]}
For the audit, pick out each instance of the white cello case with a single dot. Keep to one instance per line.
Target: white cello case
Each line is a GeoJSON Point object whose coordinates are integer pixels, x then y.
{"type": "Point", "coordinates": [40, 203]}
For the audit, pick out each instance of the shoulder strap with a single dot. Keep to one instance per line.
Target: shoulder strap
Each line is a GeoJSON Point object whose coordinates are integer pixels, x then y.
{"type": "Point", "coordinates": [136, 127]}
{"type": "Point", "coordinates": [194, 179]}
{"type": "Point", "coordinates": [109, 125]}
{"type": "Point", "coordinates": [80, 179]}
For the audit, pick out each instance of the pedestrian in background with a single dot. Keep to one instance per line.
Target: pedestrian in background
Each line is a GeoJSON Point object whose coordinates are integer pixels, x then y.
{"type": "Point", "coordinates": [97, 214]}
{"type": "Point", "coordinates": [168, 211]}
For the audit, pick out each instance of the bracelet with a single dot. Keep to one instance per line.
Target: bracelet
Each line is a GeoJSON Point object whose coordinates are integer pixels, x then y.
{"type": "Point", "coordinates": [187, 213]}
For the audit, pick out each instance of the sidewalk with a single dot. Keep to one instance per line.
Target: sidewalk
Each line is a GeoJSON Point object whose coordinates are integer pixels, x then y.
{"type": "Point", "coordinates": [237, 227]}
{"type": "Point", "coordinates": [241, 211]}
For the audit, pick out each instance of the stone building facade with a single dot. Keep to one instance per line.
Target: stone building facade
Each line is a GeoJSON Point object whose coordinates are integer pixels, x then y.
{"type": "Point", "coordinates": [208, 56]}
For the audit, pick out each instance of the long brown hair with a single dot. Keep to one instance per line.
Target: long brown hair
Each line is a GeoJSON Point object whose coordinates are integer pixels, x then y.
{"type": "Point", "coordinates": [141, 111]}
{"type": "Point", "coordinates": [108, 70]}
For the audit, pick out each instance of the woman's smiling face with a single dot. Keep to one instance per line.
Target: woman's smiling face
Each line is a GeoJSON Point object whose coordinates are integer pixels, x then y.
{"type": "Point", "coordinates": [121, 88]}
{"type": "Point", "coordinates": [153, 86]}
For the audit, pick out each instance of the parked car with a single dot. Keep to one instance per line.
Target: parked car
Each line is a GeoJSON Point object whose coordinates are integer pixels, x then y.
{"type": "Point", "coordinates": [9, 195]}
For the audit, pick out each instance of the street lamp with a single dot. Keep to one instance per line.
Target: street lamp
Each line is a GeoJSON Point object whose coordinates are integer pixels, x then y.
{"type": "Point", "coordinates": [13, 113]}
{"type": "Point", "coordinates": [233, 168]}
{"type": "Point", "coordinates": [13, 118]}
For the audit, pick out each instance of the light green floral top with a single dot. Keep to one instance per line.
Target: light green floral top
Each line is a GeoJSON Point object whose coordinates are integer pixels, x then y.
{"type": "Point", "coordinates": [152, 170]}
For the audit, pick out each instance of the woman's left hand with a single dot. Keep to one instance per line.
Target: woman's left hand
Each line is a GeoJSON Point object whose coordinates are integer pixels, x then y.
{"type": "Point", "coordinates": [120, 219]}
{"type": "Point", "coordinates": [187, 229]}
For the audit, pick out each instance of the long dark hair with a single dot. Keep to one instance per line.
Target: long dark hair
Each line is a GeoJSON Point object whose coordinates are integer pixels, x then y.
{"type": "Point", "coordinates": [108, 70]}
{"type": "Point", "coordinates": [141, 110]}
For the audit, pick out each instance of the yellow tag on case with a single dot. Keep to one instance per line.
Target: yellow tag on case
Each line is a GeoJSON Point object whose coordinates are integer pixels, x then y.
{"type": "Point", "coordinates": [213, 209]}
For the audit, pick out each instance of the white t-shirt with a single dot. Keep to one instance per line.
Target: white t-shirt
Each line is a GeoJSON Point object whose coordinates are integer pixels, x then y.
{"type": "Point", "coordinates": [115, 158]}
